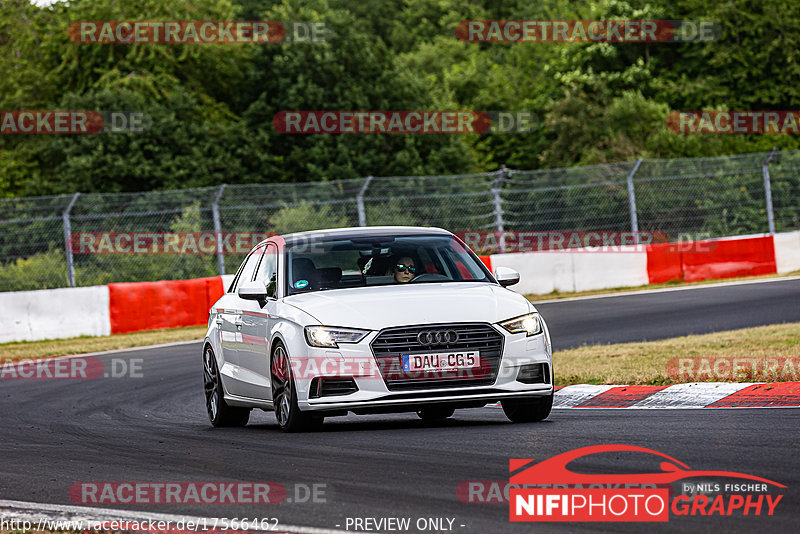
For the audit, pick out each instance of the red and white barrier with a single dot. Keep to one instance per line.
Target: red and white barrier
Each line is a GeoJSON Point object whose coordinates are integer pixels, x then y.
{"type": "Point", "coordinates": [129, 307]}
{"type": "Point", "coordinates": [104, 310]}
{"type": "Point", "coordinates": [580, 270]}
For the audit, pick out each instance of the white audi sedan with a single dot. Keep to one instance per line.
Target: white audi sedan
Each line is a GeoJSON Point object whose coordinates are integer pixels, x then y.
{"type": "Point", "coordinates": [373, 320]}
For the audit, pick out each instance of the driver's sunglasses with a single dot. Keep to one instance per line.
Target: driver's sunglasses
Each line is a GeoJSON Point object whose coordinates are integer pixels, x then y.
{"type": "Point", "coordinates": [402, 268]}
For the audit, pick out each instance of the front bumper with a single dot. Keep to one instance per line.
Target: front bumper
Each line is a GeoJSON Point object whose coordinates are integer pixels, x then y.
{"type": "Point", "coordinates": [357, 361]}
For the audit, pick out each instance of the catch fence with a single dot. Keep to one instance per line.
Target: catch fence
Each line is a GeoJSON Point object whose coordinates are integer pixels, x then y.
{"type": "Point", "coordinates": [676, 198]}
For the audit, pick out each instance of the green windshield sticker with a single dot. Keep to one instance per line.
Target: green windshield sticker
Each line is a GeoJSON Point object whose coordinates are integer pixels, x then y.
{"type": "Point", "coordinates": [300, 284]}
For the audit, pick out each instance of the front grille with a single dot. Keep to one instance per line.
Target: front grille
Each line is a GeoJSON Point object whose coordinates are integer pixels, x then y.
{"type": "Point", "coordinates": [394, 342]}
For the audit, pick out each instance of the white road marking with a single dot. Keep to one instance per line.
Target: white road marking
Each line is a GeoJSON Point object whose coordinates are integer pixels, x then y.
{"type": "Point", "coordinates": [115, 351]}
{"type": "Point", "coordinates": [667, 289]}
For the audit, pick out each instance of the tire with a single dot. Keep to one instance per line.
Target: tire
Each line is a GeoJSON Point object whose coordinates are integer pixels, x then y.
{"type": "Point", "coordinates": [284, 396]}
{"type": "Point", "coordinates": [435, 413]}
{"type": "Point", "coordinates": [528, 410]}
{"type": "Point", "coordinates": [219, 412]}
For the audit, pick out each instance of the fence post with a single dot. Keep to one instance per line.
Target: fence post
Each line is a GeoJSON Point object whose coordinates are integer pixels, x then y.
{"type": "Point", "coordinates": [632, 201]}
{"type": "Point", "coordinates": [218, 228]}
{"type": "Point", "coordinates": [497, 207]}
{"type": "Point", "coordinates": [768, 191]}
{"type": "Point", "coordinates": [67, 239]}
{"type": "Point", "coordinates": [362, 214]}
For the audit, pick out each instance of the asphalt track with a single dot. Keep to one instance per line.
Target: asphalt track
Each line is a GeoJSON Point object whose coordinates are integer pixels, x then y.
{"type": "Point", "coordinates": [664, 314]}
{"type": "Point", "coordinates": [154, 429]}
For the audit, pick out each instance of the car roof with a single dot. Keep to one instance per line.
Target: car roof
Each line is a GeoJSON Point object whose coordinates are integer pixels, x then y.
{"type": "Point", "coordinates": [363, 231]}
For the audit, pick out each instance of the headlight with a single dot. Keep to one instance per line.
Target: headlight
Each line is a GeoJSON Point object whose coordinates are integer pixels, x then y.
{"type": "Point", "coordinates": [531, 324]}
{"type": "Point", "coordinates": [326, 336]}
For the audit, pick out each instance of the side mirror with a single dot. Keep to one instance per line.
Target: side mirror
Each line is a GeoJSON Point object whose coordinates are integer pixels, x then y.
{"type": "Point", "coordinates": [506, 276]}
{"type": "Point", "coordinates": [253, 291]}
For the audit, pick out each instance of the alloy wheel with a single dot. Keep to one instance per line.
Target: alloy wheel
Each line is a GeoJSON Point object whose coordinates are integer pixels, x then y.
{"type": "Point", "coordinates": [210, 378]}
{"type": "Point", "coordinates": [282, 383]}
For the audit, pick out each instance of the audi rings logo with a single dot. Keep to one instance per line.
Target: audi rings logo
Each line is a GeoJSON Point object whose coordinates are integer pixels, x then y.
{"type": "Point", "coordinates": [437, 337]}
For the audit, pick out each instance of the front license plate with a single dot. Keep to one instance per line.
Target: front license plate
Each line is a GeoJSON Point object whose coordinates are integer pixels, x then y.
{"type": "Point", "coordinates": [441, 361]}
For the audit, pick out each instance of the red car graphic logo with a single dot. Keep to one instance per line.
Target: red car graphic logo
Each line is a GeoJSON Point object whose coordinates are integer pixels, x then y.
{"type": "Point", "coordinates": [554, 470]}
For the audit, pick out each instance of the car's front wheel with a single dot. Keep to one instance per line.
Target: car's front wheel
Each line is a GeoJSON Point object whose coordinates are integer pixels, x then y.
{"type": "Point", "coordinates": [528, 410]}
{"type": "Point", "coordinates": [219, 412]}
{"type": "Point", "coordinates": [284, 396]}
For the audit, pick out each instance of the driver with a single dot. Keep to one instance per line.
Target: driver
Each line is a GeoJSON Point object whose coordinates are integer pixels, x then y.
{"type": "Point", "coordinates": [404, 270]}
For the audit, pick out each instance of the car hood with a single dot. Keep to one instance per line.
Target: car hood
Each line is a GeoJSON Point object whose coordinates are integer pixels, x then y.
{"type": "Point", "coordinates": [380, 307]}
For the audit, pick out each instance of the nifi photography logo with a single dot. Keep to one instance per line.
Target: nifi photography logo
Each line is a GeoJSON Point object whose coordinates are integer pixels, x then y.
{"type": "Point", "coordinates": [549, 491]}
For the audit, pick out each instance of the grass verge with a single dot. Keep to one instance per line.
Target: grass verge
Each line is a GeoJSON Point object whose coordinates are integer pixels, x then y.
{"type": "Point", "coordinates": [569, 294]}
{"type": "Point", "coordinates": [628, 363]}
{"type": "Point", "coordinates": [646, 363]}
{"type": "Point", "coordinates": [21, 350]}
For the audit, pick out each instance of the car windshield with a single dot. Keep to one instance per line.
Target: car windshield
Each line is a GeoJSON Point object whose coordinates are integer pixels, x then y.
{"type": "Point", "coordinates": [371, 261]}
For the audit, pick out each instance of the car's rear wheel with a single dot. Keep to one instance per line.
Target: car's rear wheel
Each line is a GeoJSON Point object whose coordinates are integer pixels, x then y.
{"type": "Point", "coordinates": [219, 412]}
{"type": "Point", "coordinates": [435, 413]}
{"type": "Point", "coordinates": [528, 410]}
{"type": "Point", "coordinates": [284, 396]}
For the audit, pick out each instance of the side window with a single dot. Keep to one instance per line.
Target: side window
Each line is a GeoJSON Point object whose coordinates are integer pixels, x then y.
{"type": "Point", "coordinates": [268, 270]}
{"type": "Point", "coordinates": [248, 267]}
